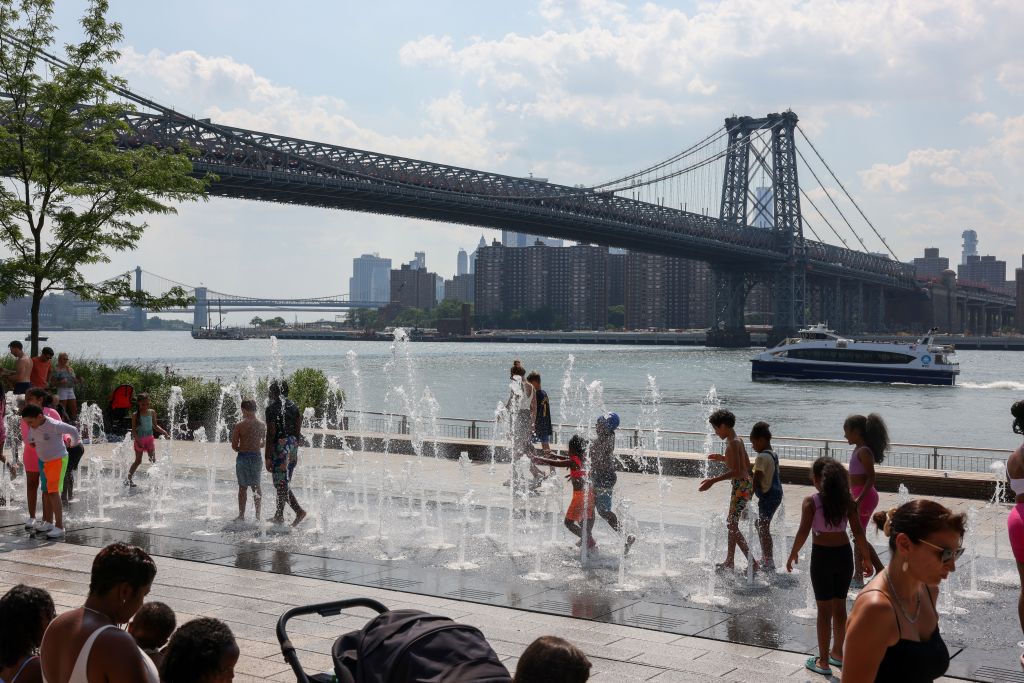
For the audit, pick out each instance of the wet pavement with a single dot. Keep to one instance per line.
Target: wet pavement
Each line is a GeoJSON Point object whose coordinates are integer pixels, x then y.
{"type": "Point", "coordinates": [357, 541]}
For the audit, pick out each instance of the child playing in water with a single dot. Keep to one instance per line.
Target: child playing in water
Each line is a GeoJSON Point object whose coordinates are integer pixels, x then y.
{"type": "Point", "coordinates": [581, 509]}
{"type": "Point", "coordinates": [143, 426]}
{"type": "Point", "coordinates": [737, 463]}
{"type": "Point", "coordinates": [248, 439]}
{"type": "Point", "coordinates": [767, 487]}
{"type": "Point", "coordinates": [34, 397]}
{"type": "Point", "coordinates": [602, 472]}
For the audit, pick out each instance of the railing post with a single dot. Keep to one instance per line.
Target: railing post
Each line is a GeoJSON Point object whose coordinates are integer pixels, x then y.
{"type": "Point", "coordinates": [828, 450]}
{"type": "Point", "coordinates": [636, 438]}
{"type": "Point", "coordinates": [404, 427]}
{"type": "Point", "coordinates": [935, 457]}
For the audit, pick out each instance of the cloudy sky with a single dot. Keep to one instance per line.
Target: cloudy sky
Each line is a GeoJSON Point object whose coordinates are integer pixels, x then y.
{"type": "Point", "coordinates": [917, 105]}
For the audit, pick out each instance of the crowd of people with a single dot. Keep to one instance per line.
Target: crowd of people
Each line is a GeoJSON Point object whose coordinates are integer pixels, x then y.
{"type": "Point", "coordinates": [89, 644]}
{"type": "Point", "coordinates": [891, 633]}
{"type": "Point", "coordinates": [893, 630]}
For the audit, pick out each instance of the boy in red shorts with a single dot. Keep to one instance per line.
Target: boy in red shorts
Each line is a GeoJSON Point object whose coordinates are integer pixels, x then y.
{"type": "Point", "coordinates": [581, 509]}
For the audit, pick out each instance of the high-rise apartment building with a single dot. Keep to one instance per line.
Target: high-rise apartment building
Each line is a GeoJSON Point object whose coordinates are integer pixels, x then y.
{"type": "Point", "coordinates": [371, 279]}
{"type": "Point", "coordinates": [932, 265]}
{"type": "Point", "coordinates": [472, 257]}
{"type": "Point", "coordinates": [413, 287]}
{"type": "Point", "coordinates": [570, 280]}
{"type": "Point", "coordinates": [462, 263]}
{"type": "Point", "coordinates": [665, 292]}
{"type": "Point", "coordinates": [616, 277]}
{"type": "Point", "coordinates": [460, 288]}
{"type": "Point", "coordinates": [983, 270]}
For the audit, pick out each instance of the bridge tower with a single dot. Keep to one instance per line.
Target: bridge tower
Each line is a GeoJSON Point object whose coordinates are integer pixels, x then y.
{"type": "Point", "coordinates": [788, 283]}
{"type": "Point", "coordinates": [201, 309]}
{"type": "Point", "coordinates": [138, 315]}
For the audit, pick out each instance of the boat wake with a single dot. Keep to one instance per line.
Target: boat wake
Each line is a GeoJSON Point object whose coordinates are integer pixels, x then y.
{"type": "Point", "coordinates": [1003, 385]}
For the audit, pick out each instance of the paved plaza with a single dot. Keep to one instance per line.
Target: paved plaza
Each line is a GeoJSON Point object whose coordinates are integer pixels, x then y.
{"type": "Point", "coordinates": [250, 587]}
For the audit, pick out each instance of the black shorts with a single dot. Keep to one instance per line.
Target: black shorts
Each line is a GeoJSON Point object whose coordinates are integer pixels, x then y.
{"type": "Point", "coordinates": [75, 454]}
{"type": "Point", "coordinates": [831, 571]}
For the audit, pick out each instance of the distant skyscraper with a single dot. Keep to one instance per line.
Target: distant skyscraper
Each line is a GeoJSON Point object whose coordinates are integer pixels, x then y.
{"type": "Point", "coordinates": [413, 287]}
{"type": "Point", "coordinates": [462, 267]}
{"type": "Point", "coordinates": [472, 257]}
{"type": "Point", "coordinates": [371, 279]}
{"type": "Point", "coordinates": [764, 208]}
{"type": "Point", "coordinates": [521, 239]}
{"type": "Point", "coordinates": [420, 260]}
{"type": "Point", "coordinates": [438, 288]}
{"type": "Point", "coordinates": [970, 245]}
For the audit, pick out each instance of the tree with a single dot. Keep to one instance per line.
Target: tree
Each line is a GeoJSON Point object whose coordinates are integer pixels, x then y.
{"type": "Point", "coordinates": [616, 316]}
{"type": "Point", "coordinates": [73, 196]}
{"type": "Point", "coordinates": [276, 322]}
{"type": "Point", "coordinates": [411, 317]}
{"type": "Point", "coordinates": [447, 310]}
{"type": "Point", "coordinates": [256, 321]}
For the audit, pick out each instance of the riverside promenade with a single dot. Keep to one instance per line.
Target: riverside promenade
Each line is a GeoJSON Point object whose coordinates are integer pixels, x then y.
{"type": "Point", "coordinates": [206, 570]}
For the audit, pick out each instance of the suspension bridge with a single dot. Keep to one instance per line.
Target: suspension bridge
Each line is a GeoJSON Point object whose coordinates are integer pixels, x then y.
{"type": "Point", "coordinates": [748, 171]}
{"type": "Point", "coordinates": [207, 302]}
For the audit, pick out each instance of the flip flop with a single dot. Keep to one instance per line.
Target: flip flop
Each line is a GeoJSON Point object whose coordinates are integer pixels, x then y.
{"type": "Point", "coordinates": [812, 665]}
{"type": "Point", "coordinates": [835, 662]}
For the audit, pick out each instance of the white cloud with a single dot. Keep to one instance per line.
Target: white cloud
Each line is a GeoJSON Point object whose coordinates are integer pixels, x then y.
{"type": "Point", "coordinates": [895, 177]}
{"type": "Point", "coordinates": [234, 94]}
{"type": "Point", "coordinates": [981, 119]}
{"type": "Point", "coordinates": [744, 52]}
{"type": "Point", "coordinates": [1011, 77]}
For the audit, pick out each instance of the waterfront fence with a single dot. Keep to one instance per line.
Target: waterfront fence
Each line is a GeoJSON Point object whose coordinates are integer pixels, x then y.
{"type": "Point", "coordinates": [917, 456]}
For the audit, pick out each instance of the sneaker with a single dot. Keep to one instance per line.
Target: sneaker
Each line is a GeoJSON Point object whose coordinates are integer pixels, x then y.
{"type": "Point", "coordinates": [55, 532]}
{"type": "Point", "coordinates": [30, 523]}
{"type": "Point", "coordinates": [42, 527]}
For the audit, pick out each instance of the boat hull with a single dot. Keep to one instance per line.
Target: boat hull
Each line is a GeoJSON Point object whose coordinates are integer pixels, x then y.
{"type": "Point", "coordinates": [762, 370]}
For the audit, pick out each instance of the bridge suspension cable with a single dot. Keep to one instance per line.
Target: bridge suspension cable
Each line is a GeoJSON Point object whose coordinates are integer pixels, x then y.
{"type": "Point", "coordinates": [827, 222]}
{"type": "Point", "coordinates": [846, 192]}
{"type": "Point", "coordinates": [689, 151]}
{"type": "Point", "coordinates": [833, 201]}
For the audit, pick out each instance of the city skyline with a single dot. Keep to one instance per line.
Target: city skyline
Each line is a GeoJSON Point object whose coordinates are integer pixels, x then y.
{"type": "Point", "coordinates": [491, 102]}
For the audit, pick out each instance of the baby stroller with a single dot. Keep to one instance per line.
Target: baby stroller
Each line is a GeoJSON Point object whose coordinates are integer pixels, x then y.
{"type": "Point", "coordinates": [399, 646]}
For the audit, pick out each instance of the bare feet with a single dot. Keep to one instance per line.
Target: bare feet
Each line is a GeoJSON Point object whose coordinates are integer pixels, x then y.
{"type": "Point", "coordinates": [724, 566]}
{"type": "Point", "coordinates": [630, 540]}
{"type": "Point", "coordinates": [240, 518]}
{"type": "Point", "coordinates": [299, 517]}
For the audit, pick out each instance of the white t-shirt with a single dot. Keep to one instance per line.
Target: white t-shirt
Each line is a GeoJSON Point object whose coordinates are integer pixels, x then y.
{"type": "Point", "coordinates": [765, 464]}
{"type": "Point", "coordinates": [48, 438]}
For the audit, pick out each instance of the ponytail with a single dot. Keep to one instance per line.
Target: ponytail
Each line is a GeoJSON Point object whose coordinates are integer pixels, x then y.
{"type": "Point", "coordinates": [874, 432]}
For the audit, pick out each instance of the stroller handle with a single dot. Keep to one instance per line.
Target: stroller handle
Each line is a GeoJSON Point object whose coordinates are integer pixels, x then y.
{"type": "Point", "coordinates": [324, 609]}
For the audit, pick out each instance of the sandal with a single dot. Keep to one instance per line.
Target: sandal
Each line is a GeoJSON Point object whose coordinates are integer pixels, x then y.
{"type": "Point", "coordinates": [812, 665]}
{"type": "Point", "coordinates": [835, 662]}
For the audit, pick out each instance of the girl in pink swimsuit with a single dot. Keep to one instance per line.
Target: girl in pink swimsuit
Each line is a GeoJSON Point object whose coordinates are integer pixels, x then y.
{"type": "Point", "coordinates": [1015, 522]}
{"type": "Point", "coordinates": [870, 440]}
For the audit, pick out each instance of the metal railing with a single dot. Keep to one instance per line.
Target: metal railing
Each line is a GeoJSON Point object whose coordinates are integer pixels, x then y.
{"type": "Point", "coordinates": [905, 455]}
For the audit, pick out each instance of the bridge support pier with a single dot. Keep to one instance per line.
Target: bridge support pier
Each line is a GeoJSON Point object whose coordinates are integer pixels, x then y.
{"type": "Point", "coordinates": [728, 329]}
{"type": "Point", "coordinates": [201, 311]}
{"type": "Point", "coordinates": [138, 315]}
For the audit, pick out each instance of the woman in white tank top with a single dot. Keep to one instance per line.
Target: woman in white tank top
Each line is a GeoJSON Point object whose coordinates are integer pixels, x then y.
{"type": "Point", "coordinates": [87, 645]}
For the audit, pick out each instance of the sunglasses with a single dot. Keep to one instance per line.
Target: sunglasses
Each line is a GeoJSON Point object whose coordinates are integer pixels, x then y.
{"type": "Point", "coordinates": [946, 554]}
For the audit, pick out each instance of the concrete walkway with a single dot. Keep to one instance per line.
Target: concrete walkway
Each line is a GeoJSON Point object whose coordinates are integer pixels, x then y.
{"type": "Point", "coordinates": [250, 602]}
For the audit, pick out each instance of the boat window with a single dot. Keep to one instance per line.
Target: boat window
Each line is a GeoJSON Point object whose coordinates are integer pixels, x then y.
{"type": "Point", "coordinates": [850, 356]}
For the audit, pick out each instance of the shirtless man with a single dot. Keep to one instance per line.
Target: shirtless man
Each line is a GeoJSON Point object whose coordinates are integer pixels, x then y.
{"type": "Point", "coordinates": [737, 463]}
{"type": "Point", "coordinates": [22, 373]}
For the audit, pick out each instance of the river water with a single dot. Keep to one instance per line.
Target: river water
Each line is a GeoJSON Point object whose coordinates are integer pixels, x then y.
{"type": "Point", "coordinates": [469, 379]}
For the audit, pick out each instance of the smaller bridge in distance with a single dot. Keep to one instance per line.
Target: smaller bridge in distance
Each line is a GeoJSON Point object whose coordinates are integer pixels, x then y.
{"type": "Point", "coordinates": [208, 302]}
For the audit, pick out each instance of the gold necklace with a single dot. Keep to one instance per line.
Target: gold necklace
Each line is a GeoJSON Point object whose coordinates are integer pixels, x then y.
{"type": "Point", "coordinates": [896, 597]}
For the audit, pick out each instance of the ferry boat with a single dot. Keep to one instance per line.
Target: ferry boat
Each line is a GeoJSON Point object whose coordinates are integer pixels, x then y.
{"type": "Point", "coordinates": [818, 353]}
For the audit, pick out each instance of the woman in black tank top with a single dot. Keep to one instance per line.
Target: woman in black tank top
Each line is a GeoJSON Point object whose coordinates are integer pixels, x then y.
{"type": "Point", "coordinates": [893, 633]}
